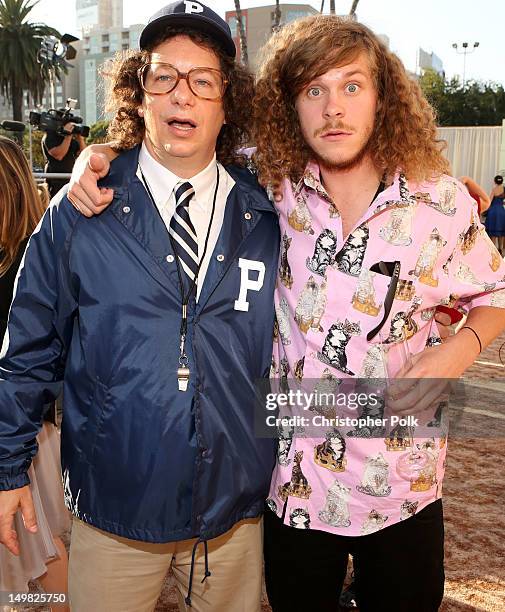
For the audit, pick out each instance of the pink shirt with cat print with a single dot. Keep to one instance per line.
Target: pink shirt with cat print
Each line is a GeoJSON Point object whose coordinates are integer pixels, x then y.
{"type": "Point", "coordinates": [330, 294]}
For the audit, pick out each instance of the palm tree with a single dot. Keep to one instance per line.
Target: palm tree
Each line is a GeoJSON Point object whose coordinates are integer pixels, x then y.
{"type": "Point", "coordinates": [354, 6]}
{"type": "Point", "coordinates": [277, 16]}
{"type": "Point", "coordinates": [241, 31]}
{"type": "Point", "coordinates": [19, 43]}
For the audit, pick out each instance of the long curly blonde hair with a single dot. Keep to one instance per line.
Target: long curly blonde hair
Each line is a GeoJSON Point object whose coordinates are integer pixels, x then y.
{"type": "Point", "coordinates": [404, 135]}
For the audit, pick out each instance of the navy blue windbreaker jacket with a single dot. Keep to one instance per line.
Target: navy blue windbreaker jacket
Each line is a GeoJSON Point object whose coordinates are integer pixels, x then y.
{"type": "Point", "coordinates": [97, 308]}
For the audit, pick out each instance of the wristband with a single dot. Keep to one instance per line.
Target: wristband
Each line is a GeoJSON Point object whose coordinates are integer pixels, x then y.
{"type": "Point", "coordinates": [476, 335]}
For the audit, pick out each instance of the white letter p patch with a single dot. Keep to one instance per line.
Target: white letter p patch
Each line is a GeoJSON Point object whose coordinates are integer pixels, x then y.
{"type": "Point", "coordinates": [246, 283]}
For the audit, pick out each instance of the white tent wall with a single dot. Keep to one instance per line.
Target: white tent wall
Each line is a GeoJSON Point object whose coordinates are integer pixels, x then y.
{"type": "Point", "coordinates": [475, 152]}
{"type": "Point", "coordinates": [502, 149]}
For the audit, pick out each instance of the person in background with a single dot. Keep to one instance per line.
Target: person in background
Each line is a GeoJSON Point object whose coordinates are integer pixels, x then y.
{"type": "Point", "coordinates": [60, 151]}
{"type": "Point", "coordinates": [42, 555]}
{"type": "Point", "coordinates": [495, 218]}
{"type": "Point", "coordinates": [477, 193]}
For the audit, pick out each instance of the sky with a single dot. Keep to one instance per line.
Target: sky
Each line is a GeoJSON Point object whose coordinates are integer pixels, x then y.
{"type": "Point", "coordinates": [433, 25]}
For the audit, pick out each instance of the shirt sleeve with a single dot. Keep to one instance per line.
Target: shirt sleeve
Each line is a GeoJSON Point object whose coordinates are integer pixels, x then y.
{"type": "Point", "coordinates": [52, 139]}
{"type": "Point", "coordinates": [32, 358]}
{"type": "Point", "coordinates": [477, 271]}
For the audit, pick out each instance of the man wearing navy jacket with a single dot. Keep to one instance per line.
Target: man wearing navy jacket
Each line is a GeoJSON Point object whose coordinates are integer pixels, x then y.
{"type": "Point", "coordinates": [157, 318]}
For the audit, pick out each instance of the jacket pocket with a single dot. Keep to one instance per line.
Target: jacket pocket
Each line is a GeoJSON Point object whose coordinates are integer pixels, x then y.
{"type": "Point", "coordinates": [97, 406]}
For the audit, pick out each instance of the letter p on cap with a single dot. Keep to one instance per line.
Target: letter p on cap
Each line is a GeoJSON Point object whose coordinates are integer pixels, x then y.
{"type": "Point", "coordinates": [193, 7]}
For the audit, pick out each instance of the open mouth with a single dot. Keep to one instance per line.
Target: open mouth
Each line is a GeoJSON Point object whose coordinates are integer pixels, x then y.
{"type": "Point", "coordinates": [185, 125]}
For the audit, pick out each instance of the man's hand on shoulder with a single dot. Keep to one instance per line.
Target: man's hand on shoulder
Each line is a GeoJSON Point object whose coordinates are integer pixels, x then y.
{"type": "Point", "coordinates": [92, 164]}
{"type": "Point", "coordinates": [10, 503]}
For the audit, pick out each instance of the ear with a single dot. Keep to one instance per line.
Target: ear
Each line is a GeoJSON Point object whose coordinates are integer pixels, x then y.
{"type": "Point", "coordinates": [140, 111]}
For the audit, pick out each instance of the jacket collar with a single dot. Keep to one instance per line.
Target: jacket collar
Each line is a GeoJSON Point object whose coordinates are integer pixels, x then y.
{"type": "Point", "coordinates": [255, 196]}
{"type": "Point", "coordinates": [132, 207]}
{"type": "Point", "coordinates": [124, 168]}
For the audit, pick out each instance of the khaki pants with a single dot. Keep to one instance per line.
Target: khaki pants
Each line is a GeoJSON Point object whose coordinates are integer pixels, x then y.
{"type": "Point", "coordinates": [108, 573]}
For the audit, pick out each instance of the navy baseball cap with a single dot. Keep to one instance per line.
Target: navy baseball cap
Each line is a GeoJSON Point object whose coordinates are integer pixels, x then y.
{"type": "Point", "coordinates": [194, 15]}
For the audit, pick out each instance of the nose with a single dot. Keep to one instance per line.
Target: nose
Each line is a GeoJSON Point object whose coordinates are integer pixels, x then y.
{"type": "Point", "coordinates": [182, 94]}
{"type": "Point", "coordinates": [334, 108]}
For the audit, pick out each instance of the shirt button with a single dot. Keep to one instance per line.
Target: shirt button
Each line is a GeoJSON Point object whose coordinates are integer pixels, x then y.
{"type": "Point", "coordinates": [126, 209]}
{"type": "Point", "coordinates": [220, 257]}
{"type": "Point", "coordinates": [170, 258]}
{"type": "Point", "coordinates": [248, 216]}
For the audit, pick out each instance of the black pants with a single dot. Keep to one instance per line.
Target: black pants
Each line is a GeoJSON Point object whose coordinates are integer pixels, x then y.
{"type": "Point", "coordinates": [54, 185]}
{"type": "Point", "coordinates": [397, 569]}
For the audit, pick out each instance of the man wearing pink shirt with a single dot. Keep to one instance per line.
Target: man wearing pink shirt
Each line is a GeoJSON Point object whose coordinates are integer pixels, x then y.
{"type": "Point", "coordinates": [375, 236]}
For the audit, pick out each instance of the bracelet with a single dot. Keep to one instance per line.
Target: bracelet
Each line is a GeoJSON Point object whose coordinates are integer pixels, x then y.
{"type": "Point", "coordinates": [476, 335]}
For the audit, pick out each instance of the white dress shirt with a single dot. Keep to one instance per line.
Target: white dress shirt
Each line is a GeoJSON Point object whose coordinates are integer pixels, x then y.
{"type": "Point", "coordinates": [162, 182]}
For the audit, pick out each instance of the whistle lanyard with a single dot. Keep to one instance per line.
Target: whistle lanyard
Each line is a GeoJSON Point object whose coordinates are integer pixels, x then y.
{"type": "Point", "coordinates": [183, 372]}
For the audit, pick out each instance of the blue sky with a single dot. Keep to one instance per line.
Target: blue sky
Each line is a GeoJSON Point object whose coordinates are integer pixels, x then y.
{"type": "Point", "coordinates": [431, 24]}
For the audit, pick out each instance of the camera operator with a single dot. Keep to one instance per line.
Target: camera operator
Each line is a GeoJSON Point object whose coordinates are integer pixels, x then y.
{"type": "Point", "coordinates": [61, 149]}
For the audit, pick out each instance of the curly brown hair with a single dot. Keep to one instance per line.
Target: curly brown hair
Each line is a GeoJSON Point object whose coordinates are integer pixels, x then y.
{"type": "Point", "coordinates": [124, 95]}
{"type": "Point", "coordinates": [404, 135]}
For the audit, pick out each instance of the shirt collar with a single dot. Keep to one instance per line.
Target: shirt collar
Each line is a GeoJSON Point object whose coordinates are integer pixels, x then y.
{"type": "Point", "coordinates": [396, 194]}
{"type": "Point", "coordinates": [311, 178]}
{"type": "Point", "coordinates": [162, 181]}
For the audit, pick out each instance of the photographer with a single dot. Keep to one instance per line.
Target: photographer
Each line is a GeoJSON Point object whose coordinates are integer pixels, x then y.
{"type": "Point", "coordinates": [61, 149]}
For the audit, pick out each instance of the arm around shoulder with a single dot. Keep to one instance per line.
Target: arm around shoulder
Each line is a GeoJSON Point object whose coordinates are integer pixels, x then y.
{"type": "Point", "coordinates": [92, 164]}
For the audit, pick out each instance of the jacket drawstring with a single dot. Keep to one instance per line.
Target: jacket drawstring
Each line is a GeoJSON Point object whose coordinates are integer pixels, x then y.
{"type": "Point", "coordinates": [191, 571]}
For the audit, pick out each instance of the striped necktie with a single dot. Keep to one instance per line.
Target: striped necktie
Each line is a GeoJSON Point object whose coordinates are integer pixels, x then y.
{"type": "Point", "coordinates": [183, 232]}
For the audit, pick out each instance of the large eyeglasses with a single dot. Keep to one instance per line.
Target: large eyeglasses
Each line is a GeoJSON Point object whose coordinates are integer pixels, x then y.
{"type": "Point", "coordinates": [159, 78]}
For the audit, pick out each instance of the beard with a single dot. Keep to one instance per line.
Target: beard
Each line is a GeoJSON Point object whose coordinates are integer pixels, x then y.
{"type": "Point", "coordinates": [334, 163]}
{"type": "Point", "coordinates": [344, 164]}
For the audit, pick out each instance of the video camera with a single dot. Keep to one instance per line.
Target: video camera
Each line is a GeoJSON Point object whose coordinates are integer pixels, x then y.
{"type": "Point", "coordinates": [55, 118]}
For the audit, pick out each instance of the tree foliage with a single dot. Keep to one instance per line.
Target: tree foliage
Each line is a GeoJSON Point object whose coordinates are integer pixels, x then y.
{"type": "Point", "coordinates": [24, 141]}
{"type": "Point", "coordinates": [19, 43]}
{"type": "Point", "coordinates": [38, 159]}
{"type": "Point", "coordinates": [475, 103]}
{"type": "Point", "coordinates": [98, 132]}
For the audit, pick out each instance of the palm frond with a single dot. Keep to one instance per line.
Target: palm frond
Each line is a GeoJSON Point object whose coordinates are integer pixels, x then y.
{"type": "Point", "coordinates": [19, 43]}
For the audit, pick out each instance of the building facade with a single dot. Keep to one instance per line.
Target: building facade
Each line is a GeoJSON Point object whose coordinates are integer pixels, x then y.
{"type": "Point", "coordinates": [98, 13]}
{"type": "Point", "coordinates": [429, 61]}
{"type": "Point", "coordinates": [258, 23]}
{"type": "Point", "coordinates": [98, 46]}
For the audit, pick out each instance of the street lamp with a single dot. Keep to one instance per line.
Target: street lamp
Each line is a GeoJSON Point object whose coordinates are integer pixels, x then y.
{"type": "Point", "coordinates": [53, 54]}
{"type": "Point", "coordinates": [464, 52]}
